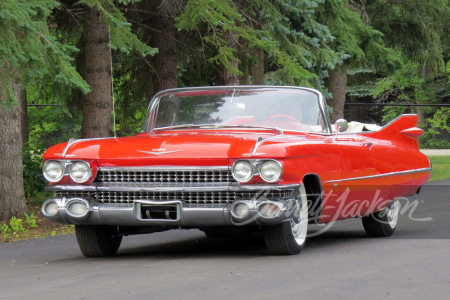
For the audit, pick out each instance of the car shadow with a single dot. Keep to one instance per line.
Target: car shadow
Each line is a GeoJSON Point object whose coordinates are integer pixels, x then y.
{"type": "Point", "coordinates": [235, 246]}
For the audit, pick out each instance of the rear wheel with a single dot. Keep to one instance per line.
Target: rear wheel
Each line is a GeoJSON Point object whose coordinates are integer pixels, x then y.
{"type": "Point", "coordinates": [383, 223]}
{"type": "Point", "coordinates": [98, 241]}
{"type": "Point", "coordinates": [289, 237]}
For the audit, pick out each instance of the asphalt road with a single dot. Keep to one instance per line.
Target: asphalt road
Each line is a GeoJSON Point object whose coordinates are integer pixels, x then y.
{"type": "Point", "coordinates": [340, 264]}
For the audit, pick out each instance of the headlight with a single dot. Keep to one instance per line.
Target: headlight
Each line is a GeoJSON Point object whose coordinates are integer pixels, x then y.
{"type": "Point", "coordinates": [242, 171]}
{"type": "Point", "coordinates": [271, 170]}
{"type": "Point", "coordinates": [53, 171]}
{"type": "Point", "coordinates": [80, 171]}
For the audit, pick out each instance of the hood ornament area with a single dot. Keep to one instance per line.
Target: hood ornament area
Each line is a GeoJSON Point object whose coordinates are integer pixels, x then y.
{"type": "Point", "coordinates": [158, 151]}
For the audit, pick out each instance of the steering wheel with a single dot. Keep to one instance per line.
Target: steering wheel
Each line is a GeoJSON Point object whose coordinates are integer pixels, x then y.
{"type": "Point", "coordinates": [282, 116]}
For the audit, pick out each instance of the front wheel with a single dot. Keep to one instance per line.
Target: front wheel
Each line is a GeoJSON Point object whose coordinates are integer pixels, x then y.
{"type": "Point", "coordinates": [98, 241]}
{"type": "Point", "coordinates": [289, 237]}
{"type": "Point", "coordinates": [383, 223]}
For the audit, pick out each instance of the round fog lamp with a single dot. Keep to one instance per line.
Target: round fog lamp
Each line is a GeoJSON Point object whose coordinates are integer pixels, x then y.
{"type": "Point", "coordinates": [50, 209]}
{"type": "Point", "coordinates": [271, 170]}
{"type": "Point", "coordinates": [77, 208]}
{"type": "Point", "coordinates": [242, 171]}
{"type": "Point", "coordinates": [269, 210]}
{"type": "Point", "coordinates": [53, 171]}
{"type": "Point", "coordinates": [240, 210]}
{"type": "Point", "coordinates": [80, 171]}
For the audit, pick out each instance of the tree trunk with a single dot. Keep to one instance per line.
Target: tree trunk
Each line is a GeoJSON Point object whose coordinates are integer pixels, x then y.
{"type": "Point", "coordinates": [244, 77]}
{"type": "Point", "coordinates": [225, 76]}
{"type": "Point", "coordinates": [257, 70]}
{"type": "Point", "coordinates": [97, 106]}
{"type": "Point", "coordinates": [12, 196]}
{"type": "Point", "coordinates": [337, 86]}
{"type": "Point", "coordinates": [165, 61]}
{"type": "Point", "coordinates": [24, 116]}
{"type": "Point", "coordinates": [420, 117]}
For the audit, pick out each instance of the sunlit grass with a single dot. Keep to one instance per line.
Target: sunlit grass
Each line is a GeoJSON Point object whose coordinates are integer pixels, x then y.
{"type": "Point", "coordinates": [441, 167]}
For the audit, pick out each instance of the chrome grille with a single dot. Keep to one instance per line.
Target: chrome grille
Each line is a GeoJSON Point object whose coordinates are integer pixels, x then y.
{"type": "Point", "coordinates": [106, 177]}
{"type": "Point", "coordinates": [75, 194]}
{"type": "Point", "coordinates": [207, 197]}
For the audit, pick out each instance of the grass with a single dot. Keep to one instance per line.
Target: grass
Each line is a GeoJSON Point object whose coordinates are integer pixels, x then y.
{"type": "Point", "coordinates": [441, 167]}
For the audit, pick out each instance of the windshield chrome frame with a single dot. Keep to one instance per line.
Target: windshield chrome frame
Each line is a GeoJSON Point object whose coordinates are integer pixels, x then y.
{"type": "Point", "coordinates": [151, 111]}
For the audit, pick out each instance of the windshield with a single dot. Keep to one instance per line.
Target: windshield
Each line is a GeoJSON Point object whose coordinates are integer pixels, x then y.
{"type": "Point", "coordinates": [280, 108]}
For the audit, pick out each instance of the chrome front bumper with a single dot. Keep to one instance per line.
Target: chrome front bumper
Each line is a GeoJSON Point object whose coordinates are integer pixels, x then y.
{"type": "Point", "coordinates": [169, 213]}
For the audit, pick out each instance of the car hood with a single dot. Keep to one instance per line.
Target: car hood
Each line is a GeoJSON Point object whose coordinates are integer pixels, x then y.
{"type": "Point", "coordinates": [186, 148]}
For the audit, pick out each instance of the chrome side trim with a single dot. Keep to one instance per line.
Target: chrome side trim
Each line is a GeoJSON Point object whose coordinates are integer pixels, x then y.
{"type": "Point", "coordinates": [89, 188]}
{"type": "Point", "coordinates": [74, 141]}
{"type": "Point", "coordinates": [261, 140]}
{"type": "Point", "coordinates": [382, 175]}
{"type": "Point", "coordinates": [69, 143]}
{"type": "Point", "coordinates": [395, 120]}
{"type": "Point", "coordinates": [165, 168]}
{"type": "Point", "coordinates": [236, 187]}
{"type": "Point", "coordinates": [166, 184]}
{"type": "Point", "coordinates": [173, 188]}
{"type": "Point", "coordinates": [162, 189]}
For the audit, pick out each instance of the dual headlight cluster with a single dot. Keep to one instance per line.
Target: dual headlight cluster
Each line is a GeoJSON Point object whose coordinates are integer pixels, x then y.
{"type": "Point", "coordinates": [79, 171]}
{"type": "Point", "coordinates": [269, 170]}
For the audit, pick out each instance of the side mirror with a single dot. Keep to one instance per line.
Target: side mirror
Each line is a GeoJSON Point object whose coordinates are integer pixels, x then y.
{"type": "Point", "coordinates": [341, 125]}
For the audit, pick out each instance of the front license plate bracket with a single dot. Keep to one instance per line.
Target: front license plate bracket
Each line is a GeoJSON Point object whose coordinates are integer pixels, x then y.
{"type": "Point", "coordinates": [158, 211]}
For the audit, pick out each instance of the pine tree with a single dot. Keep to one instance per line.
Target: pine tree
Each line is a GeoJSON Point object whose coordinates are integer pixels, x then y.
{"type": "Point", "coordinates": [282, 31]}
{"type": "Point", "coordinates": [105, 27]}
{"type": "Point", "coordinates": [360, 46]}
{"type": "Point", "coordinates": [419, 31]}
{"type": "Point", "coordinates": [29, 56]}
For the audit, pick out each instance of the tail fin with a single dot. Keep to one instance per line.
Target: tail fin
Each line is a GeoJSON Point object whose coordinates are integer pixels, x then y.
{"type": "Point", "coordinates": [404, 129]}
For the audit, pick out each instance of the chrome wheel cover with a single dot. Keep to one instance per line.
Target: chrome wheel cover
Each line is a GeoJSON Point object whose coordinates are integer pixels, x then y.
{"type": "Point", "coordinates": [300, 228]}
{"type": "Point", "coordinates": [392, 211]}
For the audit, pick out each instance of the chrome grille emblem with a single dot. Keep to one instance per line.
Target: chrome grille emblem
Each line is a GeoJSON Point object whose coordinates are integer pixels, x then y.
{"type": "Point", "coordinates": [158, 151]}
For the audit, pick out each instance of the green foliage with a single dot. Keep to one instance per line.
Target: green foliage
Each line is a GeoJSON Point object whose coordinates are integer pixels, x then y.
{"type": "Point", "coordinates": [132, 94]}
{"type": "Point", "coordinates": [354, 40]}
{"type": "Point", "coordinates": [440, 122]}
{"type": "Point", "coordinates": [448, 69]}
{"type": "Point", "coordinates": [406, 84]}
{"type": "Point", "coordinates": [31, 220]}
{"type": "Point", "coordinates": [30, 52]}
{"type": "Point", "coordinates": [50, 125]}
{"type": "Point", "coordinates": [418, 27]}
{"type": "Point", "coordinates": [33, 180]}
{"type": "Point", "coordinates": [5, 230]}
{"type": "Point", "coordinates": [17, 226]}
{"type": "Point", "coordinates": [436, 137]}
{"type": "Point", "coordinates": [218, 18]}
{"type": "Point", "coordinates": [293, 40]}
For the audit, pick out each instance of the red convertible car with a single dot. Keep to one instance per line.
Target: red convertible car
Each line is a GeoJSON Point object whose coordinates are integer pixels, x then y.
{"type": "Point", "coordinates": [220, 159]}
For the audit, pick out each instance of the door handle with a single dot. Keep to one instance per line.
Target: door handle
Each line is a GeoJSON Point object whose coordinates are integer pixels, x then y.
{"type": "Point", "coordinates": [369, 144]}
